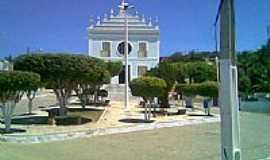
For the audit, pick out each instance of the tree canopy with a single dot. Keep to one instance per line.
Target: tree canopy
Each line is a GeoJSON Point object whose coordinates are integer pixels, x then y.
{"type": "Point", "coordinates": [148, 87]}
{"type": "Point", "coordinates": [182, 72]}
{"type": "Point", "coordinates": [64, 72]}
{"type": "Point", "coordinates": [114, 68]}
{"type": "Point", "coordinates": [254, 70]}
{"type": "Point", "coordinates": [206, 89]}
{"type": "Point", "coordinates": [57, 67]}
{"type": "Point", "coordinates": [13, 82]}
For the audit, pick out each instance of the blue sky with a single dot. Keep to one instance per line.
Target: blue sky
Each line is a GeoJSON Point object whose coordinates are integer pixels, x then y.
{"type": "Point", "coordinates": [60, 25]}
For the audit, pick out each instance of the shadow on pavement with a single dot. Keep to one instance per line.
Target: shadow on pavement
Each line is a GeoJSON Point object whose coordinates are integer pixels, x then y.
{"type": "Point", "coordinates": [135, 121]}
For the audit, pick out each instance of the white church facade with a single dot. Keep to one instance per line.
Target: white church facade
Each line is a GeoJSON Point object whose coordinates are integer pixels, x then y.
{"type": "Point", "coordinates": [108, 33]}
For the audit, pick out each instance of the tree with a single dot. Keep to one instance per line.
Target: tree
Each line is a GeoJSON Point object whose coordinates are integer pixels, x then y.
{"type": "Point", "coordinates": [200, 71]}
{"type": "Point", "coordinates": [31, 92]}
{"type": "Point", "coordinates": [90, 83]}
{"type": "Point", "coordinates": [205, 89]}
{"type": "Point", "coordinates": [148, 88]}
{"type": "Point", "coordinates": [60, 72]}
{"type": "Point", "coordinates": [254, 70]}
{"type": "Point", "coordinates": [180, 72]}
{"type": "Point", "coordinates": [172, 72]}
{"type": "Point", "coordinates": [114, 68]}
{"type": "Point", "coordinates": [245, 85]}
{"type": "Point", "coordinates": [13, 84]}
{"type": "Point", "coordinates": [208, 89]}
{"type": "Point", "coordinates": [168, 72]}
{"type": "Point", "coordinates": [187, 89]}
{"type": "Point", "coordinates": [192, 56]}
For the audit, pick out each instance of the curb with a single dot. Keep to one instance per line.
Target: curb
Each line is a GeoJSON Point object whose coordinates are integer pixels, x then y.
{"type": "Point", "coordinates": [34, 139]}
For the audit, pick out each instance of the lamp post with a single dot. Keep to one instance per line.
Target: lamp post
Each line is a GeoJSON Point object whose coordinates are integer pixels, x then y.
{"type": "Point", "coordinates": [230, 125]}
{"type": "Point", "coordinates": [124, 7]}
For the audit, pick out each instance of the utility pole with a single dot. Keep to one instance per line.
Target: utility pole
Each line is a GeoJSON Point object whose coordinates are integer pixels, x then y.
{"type": "Point", "coordinates": [230, 125]}
{"type": "Point", "coordinates": [124, 7]}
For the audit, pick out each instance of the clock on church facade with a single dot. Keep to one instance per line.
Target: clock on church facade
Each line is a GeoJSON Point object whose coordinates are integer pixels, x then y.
{"type": "Point", "coordinates": [106, 41]}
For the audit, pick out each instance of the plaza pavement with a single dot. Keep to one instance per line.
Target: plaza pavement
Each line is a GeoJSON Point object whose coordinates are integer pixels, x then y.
{"type": "Point", "coordinates": [110, 123]}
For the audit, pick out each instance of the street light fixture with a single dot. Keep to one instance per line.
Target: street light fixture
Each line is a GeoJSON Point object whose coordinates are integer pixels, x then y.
{"type": "Point", "coordinates": [124, 7]}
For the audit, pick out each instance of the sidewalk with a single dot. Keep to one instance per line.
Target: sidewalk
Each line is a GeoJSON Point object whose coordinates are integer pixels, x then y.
{"type": "Point", "coordinates": [114, 120]}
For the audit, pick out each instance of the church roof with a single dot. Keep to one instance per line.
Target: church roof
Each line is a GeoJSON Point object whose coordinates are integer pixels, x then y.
{"type": "Point", "coordinates": [116, 23]}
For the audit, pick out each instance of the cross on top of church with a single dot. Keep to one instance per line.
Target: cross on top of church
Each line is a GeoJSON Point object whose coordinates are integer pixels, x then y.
{"type": "Point", "coordinates": [124, 6]}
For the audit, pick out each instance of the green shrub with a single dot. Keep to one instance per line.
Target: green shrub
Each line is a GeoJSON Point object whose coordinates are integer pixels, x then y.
{"type": "Point", "coordinates": [13, 82]}
{"type": "Point", "coordinates": [148, 87]}
{"type": "Point", "coordinates": [187, 89]}
{"type": "Point", "coordinates": [206, 89]}
{"type": "Point", "coordinates": [114, 68]}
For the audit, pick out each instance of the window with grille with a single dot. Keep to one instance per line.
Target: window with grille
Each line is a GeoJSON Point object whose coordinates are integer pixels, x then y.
{"type": "Point", "coordinates": [142, 49]}
{"type": "Point", "coordinates": [106, 49]}
{"type": "Point", "coordinates": [142, 70]}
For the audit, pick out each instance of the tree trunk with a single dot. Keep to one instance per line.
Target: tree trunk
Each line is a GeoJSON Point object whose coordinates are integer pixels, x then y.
{"type": "Point", "coordinates": [30, 96]}
{"type": "Point", "coordinates": [82, 95]}
{"type": "Point", "coordinates": [209, 110]}
{"type": "Point", "coordinates": [84, 100]}
{"type": "Point", "coordinates": [155, 110]}
{"type": "Point", "coordinates": [145, 110]}
{"type": "Point", "coordinates": [62, 97]}
{"type": "Point", "coordinates": [30, 106]}
{"type": "Point", "coordinates": [149, 110]}
{"type": "Point", "coordinates": [96, 96]}
{"type": "Point", "coordinates": [164, 99]}
{"type": "Point", "coordinates": [7, 111]}
{"type": "Point", "coordinates": [7, 123]}
{"type": "Point", "coordinates": [62, 110]}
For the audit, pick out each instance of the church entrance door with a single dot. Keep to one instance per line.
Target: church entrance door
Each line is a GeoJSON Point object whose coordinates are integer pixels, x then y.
{"type": "Point", "coordinates": [122, 75]}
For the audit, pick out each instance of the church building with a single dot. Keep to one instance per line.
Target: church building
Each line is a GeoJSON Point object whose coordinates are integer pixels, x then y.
{"type": "Point", "coordinates": [107, 35]}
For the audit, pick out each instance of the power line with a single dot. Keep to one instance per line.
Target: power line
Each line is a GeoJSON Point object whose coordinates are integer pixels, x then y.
{"type": "Point", "coordinates": [218, 13]}
{"type": "Point", "coordinates": [215, 24]}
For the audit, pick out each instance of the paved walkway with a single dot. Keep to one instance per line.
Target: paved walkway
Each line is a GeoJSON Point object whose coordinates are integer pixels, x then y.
{"type": "Point", "coordinates": [110, 123]}
{"type": "Point", "coordinates": [114, 120]}
{"type": "Point", "coordinates": [24, 139]}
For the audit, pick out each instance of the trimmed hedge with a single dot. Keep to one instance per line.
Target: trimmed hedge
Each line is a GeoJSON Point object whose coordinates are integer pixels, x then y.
{"type": "Point", "coordinates": [206, 89]}
{"type": "Point", "coordinates": [148, 87]}
{"type": "Point", "coordinates": [12, 82]}
{"type": "Point", "coordinates": [58, 67]}
{"type": "Point", "coordinates": [187, 89]}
